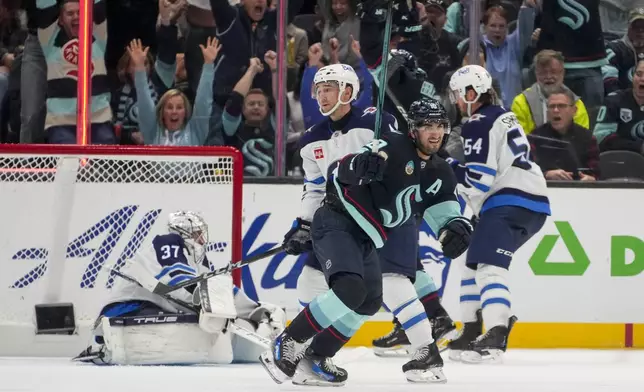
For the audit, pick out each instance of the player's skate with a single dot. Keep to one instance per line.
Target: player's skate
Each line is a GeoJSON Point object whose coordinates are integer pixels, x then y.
{"type": "Point", "coordinates": [318, 371]}
{"type": "Point", "coordinates": [490, 346]}
{"type": "Point", "coordinates": [393, 344]}
{"type": "Point", "coordinates": [280, 362]}
{"type": "Point", "coordinates": [467, 335]}
{"type": "Point", "coordinates": [443, 329]}
{"type": "Point", "coordinates": [425, 366]}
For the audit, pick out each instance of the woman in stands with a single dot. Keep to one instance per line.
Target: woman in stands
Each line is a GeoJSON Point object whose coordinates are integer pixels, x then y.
{"type": "Point", "coordinates": [173, 122]}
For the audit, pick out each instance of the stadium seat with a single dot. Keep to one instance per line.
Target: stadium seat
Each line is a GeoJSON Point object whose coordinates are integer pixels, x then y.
{"type": "Point", "coordinates": [621, 165]}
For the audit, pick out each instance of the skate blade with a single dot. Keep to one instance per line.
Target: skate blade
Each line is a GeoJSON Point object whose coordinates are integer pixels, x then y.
{"type": "Point", "coordinates": [313, 381]}
{"type": "Point", "coordinates": [487, 356]}
{"type": "Point", "coordinates": [266, 359]}
{"type": "Point", "coordinates": [428, 376]}
{"type": "Point", "coordinates": [455, 355]}
{"type": "Point", "coordinates": [392, 352]}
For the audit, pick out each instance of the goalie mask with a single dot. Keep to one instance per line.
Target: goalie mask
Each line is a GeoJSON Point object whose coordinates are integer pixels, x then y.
{"type": "Point", "coordinates": [428, 115]}
{"type": "Point", "coordinates": [193, 229]}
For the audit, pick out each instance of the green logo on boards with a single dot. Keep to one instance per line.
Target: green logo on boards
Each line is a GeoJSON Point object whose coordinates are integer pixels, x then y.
{"type": "Point", "coordinates": [626, 254]}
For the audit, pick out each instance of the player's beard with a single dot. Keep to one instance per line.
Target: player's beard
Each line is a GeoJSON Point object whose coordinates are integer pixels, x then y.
{"type": "Point", "coordinates": [428, 148]}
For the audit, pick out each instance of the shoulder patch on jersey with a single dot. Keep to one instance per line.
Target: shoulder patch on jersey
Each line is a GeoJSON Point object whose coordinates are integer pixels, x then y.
{"type": "Point", "coordinates": [409, 168]}
{"type": "Point", "coordinates": [318, 153]}
{"type": "Point", "coordinates": [476, 117]}
{"type": "Point", "coordinates": [369, 110]}
{"type": "Point", "coordinates": [626, 115]}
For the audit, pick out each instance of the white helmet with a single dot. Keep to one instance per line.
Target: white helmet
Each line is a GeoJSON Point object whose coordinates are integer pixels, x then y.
{"type": "Point", "coordinates": [342, 74]}
{"type": "Point", "coordinates": [469, 76]}
{"type": "Point", "coordinates": [192, 228]}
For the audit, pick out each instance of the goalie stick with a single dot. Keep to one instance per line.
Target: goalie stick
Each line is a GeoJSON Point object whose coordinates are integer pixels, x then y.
{"type": "Point", "coordinates": [163, 289]}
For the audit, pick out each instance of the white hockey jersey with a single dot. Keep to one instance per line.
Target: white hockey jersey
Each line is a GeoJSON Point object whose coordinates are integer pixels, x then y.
{"type": "Point", "coordinates": [327, 142]}
{"type": "Point", "coordinates": [497, 170]}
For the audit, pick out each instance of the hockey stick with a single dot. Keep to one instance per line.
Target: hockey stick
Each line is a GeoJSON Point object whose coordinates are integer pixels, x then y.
{"type": "Point", "coordinates": [382, 76]}
{"type": "Point", "coordinates": [163, 289]}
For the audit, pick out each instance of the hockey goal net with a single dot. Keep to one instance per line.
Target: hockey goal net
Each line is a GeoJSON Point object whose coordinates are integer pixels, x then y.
{"type": "Point", "coordinates": [72, 214]}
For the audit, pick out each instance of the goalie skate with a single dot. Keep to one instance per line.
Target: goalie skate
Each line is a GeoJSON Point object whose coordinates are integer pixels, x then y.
{"type": "Point", "coordinates": [490, 346]}
{"type": "Point", "coordinates": [318, 371]}
{"type": "Point", "coordinates": [426, 366]}
{"type": "Point", "coordinates": [393, 344]}
{"type": "Point", "coordinates": [281, 360]}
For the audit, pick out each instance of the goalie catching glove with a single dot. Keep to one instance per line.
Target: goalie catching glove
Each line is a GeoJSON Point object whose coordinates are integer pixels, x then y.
{"type": "Point", "coordinates": [298, 239]}
{"type": "Point", "coordinates": [455, 237]}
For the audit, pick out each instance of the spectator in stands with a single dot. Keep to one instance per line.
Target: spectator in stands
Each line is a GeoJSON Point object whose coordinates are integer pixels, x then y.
{"type": "Point", "coordinates": [246, 31]}
{"type": "Point", "coordinates": [171, 121]}
{"type": "Point", "coordinates": [58, 27]}
{"type": "Point", "coordinates": [577, 34]}
{"type": "Point", "coordinates": [530, 105]}
{"type": "Point", "coordinates": [438, 52]}
{"type": "Point", "coordinates": [310, 107]}
{"type": "Point", "coordinates": [620, 122]}
{"type": "Point", "coordinates": [563, 149]}
{"type": "Point", "coordinates": [297, 49]}
{"type": "Point", "coordinates": [13, 33]}
{"type": "Point", "coordinates": [160, 77]}
{"type": "Point", "coordinates": [623, 54]}
{"type": "Point", "coordinates": [201, 25]}
{"type": "Point", "coordinates": [505, 52]}
{"type": "Point", "coordinates": [341, 23]}
{"type": "Point", "coordinates": [248, 122]}
{"type": "Point", "coordinates": [33, 81]}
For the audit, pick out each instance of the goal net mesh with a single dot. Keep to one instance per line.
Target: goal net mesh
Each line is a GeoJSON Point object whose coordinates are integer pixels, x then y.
{"type": "Point", "coordinates": [69, 220]}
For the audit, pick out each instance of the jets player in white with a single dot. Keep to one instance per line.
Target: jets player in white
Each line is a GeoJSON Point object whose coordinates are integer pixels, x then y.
{"type": "Point", "coordinates": [214, 322]}
{"type": "Point", "coordinates": [508, 194]}
{"type": "Point", "coordinates": [346, 131]}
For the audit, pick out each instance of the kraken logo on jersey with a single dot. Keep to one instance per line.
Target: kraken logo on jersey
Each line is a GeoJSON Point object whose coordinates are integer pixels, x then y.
{"type": "Point", "coordinates": [638, 130]}
{"type": "Point", "coordinates": [580, 13]}
{"type": "Point", "coordinates": [403, 206]}
{"type": "Point", "coordinates": [258, 163]}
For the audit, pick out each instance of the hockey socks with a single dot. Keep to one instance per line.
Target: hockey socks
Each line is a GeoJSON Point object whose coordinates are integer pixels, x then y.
{"type": "Point", "coordinates": [470, 295]}
{"type": "Point", "coordinates": [428, 294]}
{"type": "Point", "coordinates": [328, 342]}
{"type": "Point", "coordinates": [401, 298]}
{"type": "Point", "coordinates": [495, 295]}
{"type": "Point", "coordinates": [323, 311]}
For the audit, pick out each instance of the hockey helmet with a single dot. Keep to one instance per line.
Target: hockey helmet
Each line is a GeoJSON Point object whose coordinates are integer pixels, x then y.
{"type": "Point", "coordinates": [343, 75]}
{"type": "Point", "coordinates": [427, 111]}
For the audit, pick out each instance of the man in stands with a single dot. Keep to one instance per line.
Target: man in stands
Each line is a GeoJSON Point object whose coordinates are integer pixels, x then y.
{"type": "Point", "coordinates": [624, 53]}
{"type": "Point", "coordinates": [530, 106]}
{"type": "Point", "coordinates": [58, 26]}
{"type": "Point", "coordinates": [562, 148]}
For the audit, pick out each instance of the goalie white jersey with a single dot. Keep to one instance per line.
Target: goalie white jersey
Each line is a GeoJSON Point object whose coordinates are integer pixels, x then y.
{"type": "Point", "coordinates": [327, 142]}
{"type": "Point", "coordinates": [497, 170]}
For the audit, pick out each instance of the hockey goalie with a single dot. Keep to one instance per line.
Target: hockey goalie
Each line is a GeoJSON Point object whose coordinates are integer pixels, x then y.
{"type": "Point", "coordinates": [211, 322]}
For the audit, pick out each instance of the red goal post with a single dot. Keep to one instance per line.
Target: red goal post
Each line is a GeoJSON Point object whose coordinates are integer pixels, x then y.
{"type": "Point", "coordinates": [70, 214]}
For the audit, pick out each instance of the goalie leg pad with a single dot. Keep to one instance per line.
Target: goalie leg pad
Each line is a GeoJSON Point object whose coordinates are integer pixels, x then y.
{"type": "Point", "coordinates": [401, 297]}
{"type": "Point", "coordinates": [217, 303]}
{"type": "Point", "coordinates": [166, 339]}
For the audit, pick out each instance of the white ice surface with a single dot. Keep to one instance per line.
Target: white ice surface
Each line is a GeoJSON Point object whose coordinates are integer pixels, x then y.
{"type": "Point", "coordinates": [522, 371]}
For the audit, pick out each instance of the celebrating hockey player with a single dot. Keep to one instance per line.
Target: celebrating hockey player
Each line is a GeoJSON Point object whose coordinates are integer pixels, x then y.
{"type": "Point", "coordinates": [508, 194]}
{"type": "Point", "coordinates": [347, 228]}
{"type": "Point", "coordinates": [213, 322]}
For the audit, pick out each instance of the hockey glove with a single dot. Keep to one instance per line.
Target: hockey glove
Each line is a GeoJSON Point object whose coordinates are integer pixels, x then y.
{"type": "Point", "coordinates": [298, 239]}
{"type": "Point", "coordinates": [455, 237]}
{"type": "Point", "coordinates": [369, 166]}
